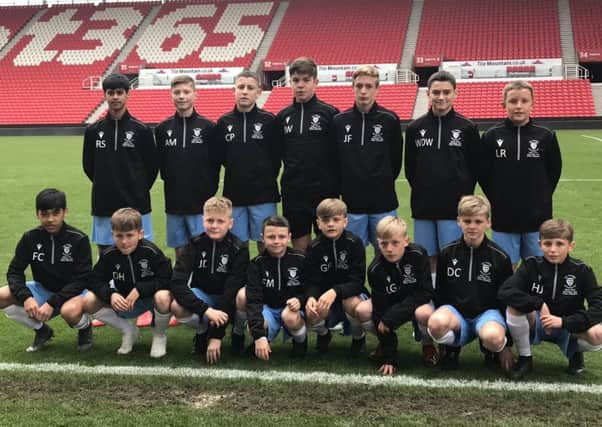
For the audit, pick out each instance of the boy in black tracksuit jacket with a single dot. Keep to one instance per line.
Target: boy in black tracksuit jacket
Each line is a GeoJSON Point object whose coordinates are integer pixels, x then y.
{"type": "Point", "coordinates": [60, 260]}
{"type": "Point", "coordinates": [439, 164]}
{"type": "Point", "coordinates": [369, 143]}
{"type": "Point", "coordinates": [308, 157]}
{"type": "Point", "coordinates": [275, 291]}
{"type": "Point", "coordinates": [400, 281]}
{"type": "Point", "coordinates": [120, 159]}
{"type": "Point", "coordinates": [250, 154]}
{"type": "Point", "coordinates": [189, 164]}
{"type": "Point", "coordinates": [335, 276]}
{"type": "Point", "coordinates": [546, 297]}
{"type": "Point", "coordinates": [520, 165]}
{"type": "Point", "coordinates": [130, 278]}
{"type": "Point", "coordinates": [206, 279]}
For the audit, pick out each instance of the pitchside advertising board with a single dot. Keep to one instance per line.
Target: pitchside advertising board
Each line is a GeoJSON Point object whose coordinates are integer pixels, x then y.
{"type": "Point", "coordinates": [344, 73]}
{"type": "Point", "coordinates": [161, 77]}
{"type": "Point", "coordinates": [504, 68]}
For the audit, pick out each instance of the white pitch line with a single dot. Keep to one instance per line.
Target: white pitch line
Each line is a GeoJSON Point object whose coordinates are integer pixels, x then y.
{"type": "Point", "coordinates": [595, 138]}
{"type": "Point", "coordinates": [303, 377]}
{"type": "Point", "coordinates": [561, 180]}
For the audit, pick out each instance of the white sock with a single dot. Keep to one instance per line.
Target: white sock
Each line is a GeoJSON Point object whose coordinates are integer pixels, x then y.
{"type": "Point", "coordinates": [83, 323]}
{"type": "Point", "coordinates": [240, 323]}
{"type": "Point", "coordinates": [108, 316]}
{"type": "Point", "coordinates": [357, 332]}
{"type": "Point", "coordinates": [299, 334]}
{"type": "Point", "coordinates": [368, 326]}
{"type": "Point", "coordinates": [447, 339]}
{"type": "Point", "coordinates": [320, 327]}
{"type": "Point", "coordinates": [583, 345]}
{"type": "Point", "coordinates": [426, 338]}
{"type": "Point", "coordinates": [193, 321]}
{"type": "Point", "coordinates": [19, 315]}
{"type": "Point", "coordinates": [434, 279]}
{"type": "Point", "coordinates": [161, 322]}
{"type": "Point", "coordinates": [519, 329]}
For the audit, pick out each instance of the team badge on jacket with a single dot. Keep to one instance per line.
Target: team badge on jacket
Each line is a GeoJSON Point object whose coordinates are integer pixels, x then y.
{"type": "Point", "coordinates": [223, 264]}
{"type": "Point", "coordinates": [377, 135]}
{"type": "Point", "coordinates": [456, 140]}
{"type": "Point", "coordinates": [533, 149]}
{"type": "Point", "coordinates": [293, 279]}
{"type": "Point", "coordinates": [408, 275]}
{"type": "Point", "coordinates": [315, 122]}
{"type": "Point", "coordinates": [257, 131]}
{"type": "Point", "coordinates": [197, 136]}
{"type": "Point", "coordinates": [570, 285]}
{"type": "Point", "coordinates": [128, 141]}
{"type": "Point", "coordinates": [67, 255]}
{"type": "Point", "coordinates": [145, 270]}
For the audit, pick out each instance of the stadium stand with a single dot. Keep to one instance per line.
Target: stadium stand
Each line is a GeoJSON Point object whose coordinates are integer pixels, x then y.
{"type": "Point", "coordinates": [204, 34]}
{"type": "Point", "coordinates": [329, 31]}
{"type": "Point", "coordinates": [586, 17]}
{"type": "Point", "coordinates": [12, 20]}
{"type": "Point", "coordinates": [489, 29]}
{"type": "Point", "coordinates": [399, 98]}
{"type": "Point", "coordinates": [553, 98]}
{"type": "Point", "coordinates": [42, 75]}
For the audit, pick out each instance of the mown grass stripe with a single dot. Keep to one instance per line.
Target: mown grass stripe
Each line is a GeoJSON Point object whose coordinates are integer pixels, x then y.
{"type": "Point", "coordinates": [302, 377]}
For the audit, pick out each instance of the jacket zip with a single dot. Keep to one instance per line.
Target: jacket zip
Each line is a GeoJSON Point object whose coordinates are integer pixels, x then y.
{"type": "Point", "coordinates": [439, 135]}
{"type": "Point", "coordinates": [301, 121]}
{"type": "Point", "coordinates": [279, 281]}
{"type": "Point", "coordinates": [518, 144]}
{"type": "Point", "coordinates": [52, 253]}
{"type": "Point", "coordinates": [115, 139]}
{"type": "Point", "coordinates": [334, 252]}
{"type": "Point", "coordinates": [555, 280]}
{"type": "Point", "coordinates": [244, 127]}
{"type": "Point", "coordinates": [212, 257]}
{"type": "Point", "coordinates": [132, 270]}
{"type": "Point", "coordinates": [470, 266]}
{"type": "Point", "coordinates": [184, 133]}
{"type": "Point", "coordinates": [363, 127]}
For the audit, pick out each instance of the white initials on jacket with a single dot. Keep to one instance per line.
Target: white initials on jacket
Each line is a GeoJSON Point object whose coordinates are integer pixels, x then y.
{"type": "Point", "coordinates": [537, 288]}
{"type": "Point", "coordinates": [119, 276]}
{"type": "Point", "coordinates": [38, 256]}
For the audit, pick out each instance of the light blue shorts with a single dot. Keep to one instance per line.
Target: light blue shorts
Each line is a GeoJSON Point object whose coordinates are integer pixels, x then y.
{"type": "Point", "coordinates": [140, 306]}
{"type": "Point", "coordinates": [41, 295]}
{"type": "Point", "coordinates": [101, 229]}
{"type": "Point", "coordinates": [364, 226]}
{"type": "Point", "coordinates": [518, 245]}
{"type": "Point", "coordinates": [435, 234]}
{"type": "Point", "coordinates": [273, 317]}
{"type": "Point", "coordinates": [182, 228]}
{"type": "Point", "coordinates": [213, 301]}
{"type": "Point", "coordinates": [469, 328]}
{"type": "Point", "coordinates": [561, 337]}
{"type": "Point", "coordinates": [248, 220]}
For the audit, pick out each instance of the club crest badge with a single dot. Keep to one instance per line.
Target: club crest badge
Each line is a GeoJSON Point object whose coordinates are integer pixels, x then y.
{"type": "Point", "coordinates": [223, 264]}
{"type": "Point", "coordinates": [456, 139]}
{"type": "Point", "coordinates": [67, 255]}
{"type": "Point", "coordinates": [145, 270]}
{"type": "Point", "coordinates": [315, 122]}
{"type": "Point", "coordinates": [408, 275]}
{"type": "Point", "coordinates": [570, 285]}
{"type": "Point", "coordinates": [257, 131]}
{"type": "Point", "coordinates": [197, 136]}
{"type": "Point", "coordinates": [377, 133]}
{"type": "Point", "coordinates": [128, 140]}
{"type": "Point", "coordinates": [533, 150]}
{"type": "Point", "coordinates": [485, 272]}
{"type": "Point", "coordinates": [293, 277]}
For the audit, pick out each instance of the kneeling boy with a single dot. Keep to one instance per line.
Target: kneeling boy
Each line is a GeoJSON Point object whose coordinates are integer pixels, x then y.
{"type": "Point", "coordinates": [545, 299]}
{"type": "Point", "coordinates": [335, 275]}
{"type": "Point", "coordinates": [59, 258]}
{"type": "Point", "coordinates": [469, 273]}
{"type": "Point", "coordinates": [275, 291]}
{"type": "Point", "coordinates": [400, 280]}
{"type": "Point", "coordinates": [130, 278]}
{"type": "Point", "coordinates": [206, 278]}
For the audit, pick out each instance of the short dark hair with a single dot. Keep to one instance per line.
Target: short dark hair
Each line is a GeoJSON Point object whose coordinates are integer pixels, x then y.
{"type": "Point", "coordinates": [126, 219]}
{"type": "Point", "coordinates": [556, 229]}
{"type": "Point", "coordinates": [275, 221]}
{"type": "Point", "coordinates": [304, 65]}
{"type": "Point", "coordinates": [441, 76]}
{"type": "Point", "coordinates": [116, 81]}
{"type": "Point", "coordinates": [51, 198]}
{"type": "Point", "coordinates": [250, 75]}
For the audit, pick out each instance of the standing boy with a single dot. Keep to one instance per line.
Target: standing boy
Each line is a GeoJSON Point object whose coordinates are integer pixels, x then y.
{"type": "Point", "coordinates": [335, 276]}
{"type": "Point", "coordinates": [206, 279]}
{"type": "Point", "coordinates": [188, 164]}
{"type": "Point", "coordinates": [439, 161]}
{"type": "Point", "coordinates": [309, 174]}
{"type": "Point", "coordinates": [129, 279]}
{"type": "Point", "coordinates": [370, 143]}
{"type": "Point", "coordinates": [251, 159]}
{"type": "Point", "coordinates": [60, 260]}
{"type": "Point", "coordinates": [400, 282]}
{"type": "Point", "coordinates": [469, 273]}
{"type": "Point", "coordinates": [521, 167]}
{"type": "Point", "coordinates": [545, 299]}
{"type": "Point", "coordinates": [275, 291]}
{"type": "Point", "coordinates": [120, 159]}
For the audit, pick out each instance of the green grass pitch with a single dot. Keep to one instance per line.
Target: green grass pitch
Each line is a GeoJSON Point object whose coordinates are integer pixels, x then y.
{"type": "Point", "coordinates": [28, 164]}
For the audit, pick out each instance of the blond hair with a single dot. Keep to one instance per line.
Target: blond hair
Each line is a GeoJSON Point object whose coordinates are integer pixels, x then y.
{"type": "Point", "coordinates": [126, 219]}
{"type": "Point", "coordinates": [331, 207]}
{"type": "Point", "coordinates": [518, 85]}
{"type": "Point", "coordinates": [556, 229]}
{"type": "Point", "coordinates": [182, 79]}
{"type": "Point", "coordinates": [390, 226]}
{"type": "Point", "coordinates": [474, 205]}
{"type": "Point", "coordinates": [218, 204]}
{"type": "Point", "coordinates": [366, 70]}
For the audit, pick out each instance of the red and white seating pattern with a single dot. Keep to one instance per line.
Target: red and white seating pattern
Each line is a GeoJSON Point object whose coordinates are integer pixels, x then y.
{"type": "Point", "coordinates": [11, 21]}
{"type": "Point", "coordinates": [587, 27]}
